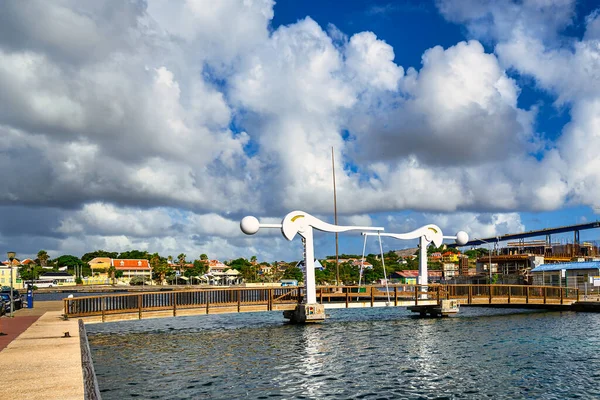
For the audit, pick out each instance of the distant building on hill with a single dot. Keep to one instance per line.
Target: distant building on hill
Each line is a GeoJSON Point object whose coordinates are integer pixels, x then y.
{"type": "Point", "coordinates": [365, 264]}
{"type": "Point", "coordinates": [265, 269]}
{"type": "Point", "coordinates": [450, 257]}
{"type": "Point", "coordinates": [216, 266]}
{"type": "Point", "coordinates": [302, 267]}
{"type": "Point", "coordinates": [409, 276]}
{"type": "Point", "coordinates": [282, 266]}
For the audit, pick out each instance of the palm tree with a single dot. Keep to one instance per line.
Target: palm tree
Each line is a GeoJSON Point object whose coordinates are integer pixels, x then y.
{"type": "Point", "coordinates": [181, 260]}
{"type": "Point", "coordinates": [203, 257]}
{"type": "Point", "coordinates": [111, 272]}
{"type": "Point", "coordinates": [43, 257]}
{"type": "Point", "coordinates": [159, 268]}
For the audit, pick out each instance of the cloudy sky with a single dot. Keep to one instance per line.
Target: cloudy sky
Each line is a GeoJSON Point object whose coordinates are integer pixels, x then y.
{"type": "Point", "coordinates": [158, 125]}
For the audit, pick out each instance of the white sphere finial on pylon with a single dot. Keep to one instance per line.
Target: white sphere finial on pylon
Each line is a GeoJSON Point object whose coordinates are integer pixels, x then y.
{"type": "Point", "coordinates": [249, 225]}
{"type": "Point", "coordinates": [461, 238]}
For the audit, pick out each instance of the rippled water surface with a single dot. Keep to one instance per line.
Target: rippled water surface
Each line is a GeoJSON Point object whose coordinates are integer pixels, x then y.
{"type": "Point", "coordinates": [355, 354]}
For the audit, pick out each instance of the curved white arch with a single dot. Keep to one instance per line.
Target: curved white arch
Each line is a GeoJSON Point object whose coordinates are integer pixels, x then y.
{"type": "Point", "coordinates": [302, 223]}
{"type": "Point", "coordinates": [298, 221]}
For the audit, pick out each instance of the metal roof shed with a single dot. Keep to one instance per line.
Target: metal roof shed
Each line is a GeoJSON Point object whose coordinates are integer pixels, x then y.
{"type": "Point", "coordinates": [568, 266]}
{"type": "Point", "coordinates": [576, 274]}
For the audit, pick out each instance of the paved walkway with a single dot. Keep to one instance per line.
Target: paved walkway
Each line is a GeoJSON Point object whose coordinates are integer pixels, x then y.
{"type": "Point", "coordinates": [46, 364]}
{"type": "Point", "coordinates": [23, 319]}
{"type": "Point", "coordinates": [10, 328]}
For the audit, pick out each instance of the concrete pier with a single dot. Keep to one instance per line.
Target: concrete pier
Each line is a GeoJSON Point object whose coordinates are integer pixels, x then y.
{"type": "Point", "coordinates": [41, 363]}
{"type": "Point", "coordinates": [306, 314]}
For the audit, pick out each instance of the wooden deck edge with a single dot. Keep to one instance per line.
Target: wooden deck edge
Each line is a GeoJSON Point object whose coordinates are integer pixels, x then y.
{"type": "Point", "coordinates": [183, 312]}
{"type": "Point", "coordinates": [91, 391]}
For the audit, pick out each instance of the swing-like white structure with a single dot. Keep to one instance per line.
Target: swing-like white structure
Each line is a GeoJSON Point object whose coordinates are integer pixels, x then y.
{"type": "Point", "coordinates": [426, 235]}
{"type": "Point", "coordinates": [302, 223]}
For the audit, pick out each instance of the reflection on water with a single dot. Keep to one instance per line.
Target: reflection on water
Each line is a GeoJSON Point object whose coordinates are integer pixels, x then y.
{"type": "Point", "coordinates": [369, 353]}
{"type": "Point", "coordinates": [311, 360]}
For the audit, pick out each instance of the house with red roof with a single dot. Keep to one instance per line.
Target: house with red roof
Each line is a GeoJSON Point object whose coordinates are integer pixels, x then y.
{"type": "Point", "coordinates": [216, 266]}
{"type": "Point", "coordinates": [433, 257]}
{"type": "Point", "coordinates": [129, 267]}
{"type": "Point", "coordinates": [450, 257]}
{"type": "Point", "coordinates": [132, 268]}
{"type": "Point", "coordinates": [265, 269]}
{"type": "Point", "coordinates": [365, 264]}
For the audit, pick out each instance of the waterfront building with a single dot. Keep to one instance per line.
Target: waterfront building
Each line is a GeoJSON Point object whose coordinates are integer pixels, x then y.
{"type": "Point", "coordinates": [129, 267]}
{"type": "Point", "coordinates": [100, 264]}
{"type": "Point", "coordinates": [132, 268]}
{"type": "Point", "coordinates": [572, 274]}
{"type": "Point", "coordinates": [60, 278]}
{"type": "Point", "coordinates": [509, 264]}
{"type": "Point", "coordinates": [5, 274]}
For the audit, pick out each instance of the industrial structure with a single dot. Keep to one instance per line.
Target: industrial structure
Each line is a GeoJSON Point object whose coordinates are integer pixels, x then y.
{"type": "Point", "coordinates": [523, 252]}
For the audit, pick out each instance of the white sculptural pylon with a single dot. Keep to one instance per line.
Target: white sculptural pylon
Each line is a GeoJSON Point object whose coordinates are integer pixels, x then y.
{"type": "Point", "coordinates": [426, 235]}
{"type": "Point", "coordinates": [302, 223]}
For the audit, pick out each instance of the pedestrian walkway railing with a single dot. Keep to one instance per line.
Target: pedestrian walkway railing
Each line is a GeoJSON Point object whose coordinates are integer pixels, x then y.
{"type": "Point", "coordinates": [274, 298]}
{"type": "Point", "coordinates": [392, 294]}
{"type": "Point", "coordinates": [207, 299]}
{"type": "Point", "coordinates": [510, 294]}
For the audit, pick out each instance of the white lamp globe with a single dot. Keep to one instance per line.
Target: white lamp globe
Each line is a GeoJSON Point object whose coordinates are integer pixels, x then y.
{"type": "Point", "coordinates": [249, 225]}
{"type": "Point", "coordinates": [461, 238]}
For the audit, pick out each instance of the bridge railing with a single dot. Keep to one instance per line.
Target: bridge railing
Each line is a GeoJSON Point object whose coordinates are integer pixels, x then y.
{"type": "Point", "coordinates": [267, 299]}
{"type": "Point", "coordinates": [378, 293]}
{"type": "Point", "coordinates": [173, 300]}
{"type": "Point", "coordinates": [517, 294]}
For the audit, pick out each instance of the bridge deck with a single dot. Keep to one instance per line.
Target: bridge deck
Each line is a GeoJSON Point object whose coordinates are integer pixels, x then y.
{"type": "Point", "coordinates": [118, 307]}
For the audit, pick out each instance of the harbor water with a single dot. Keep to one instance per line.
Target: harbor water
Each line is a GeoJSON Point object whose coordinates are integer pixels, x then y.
{"type": "Point", "coordinates": [381, 353]}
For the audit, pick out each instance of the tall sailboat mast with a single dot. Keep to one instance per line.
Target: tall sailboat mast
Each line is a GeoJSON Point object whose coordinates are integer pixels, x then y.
{"type": "Point", "coordinates": [337, 261]}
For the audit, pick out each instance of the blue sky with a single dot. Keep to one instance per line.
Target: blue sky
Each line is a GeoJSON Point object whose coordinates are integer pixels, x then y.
{"type": "Point", "coordinates": [412, 26]}
{"type": "Point", "coordinates": [158, 125]}
{"type": "Point", "coordinates": [408, 26]}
